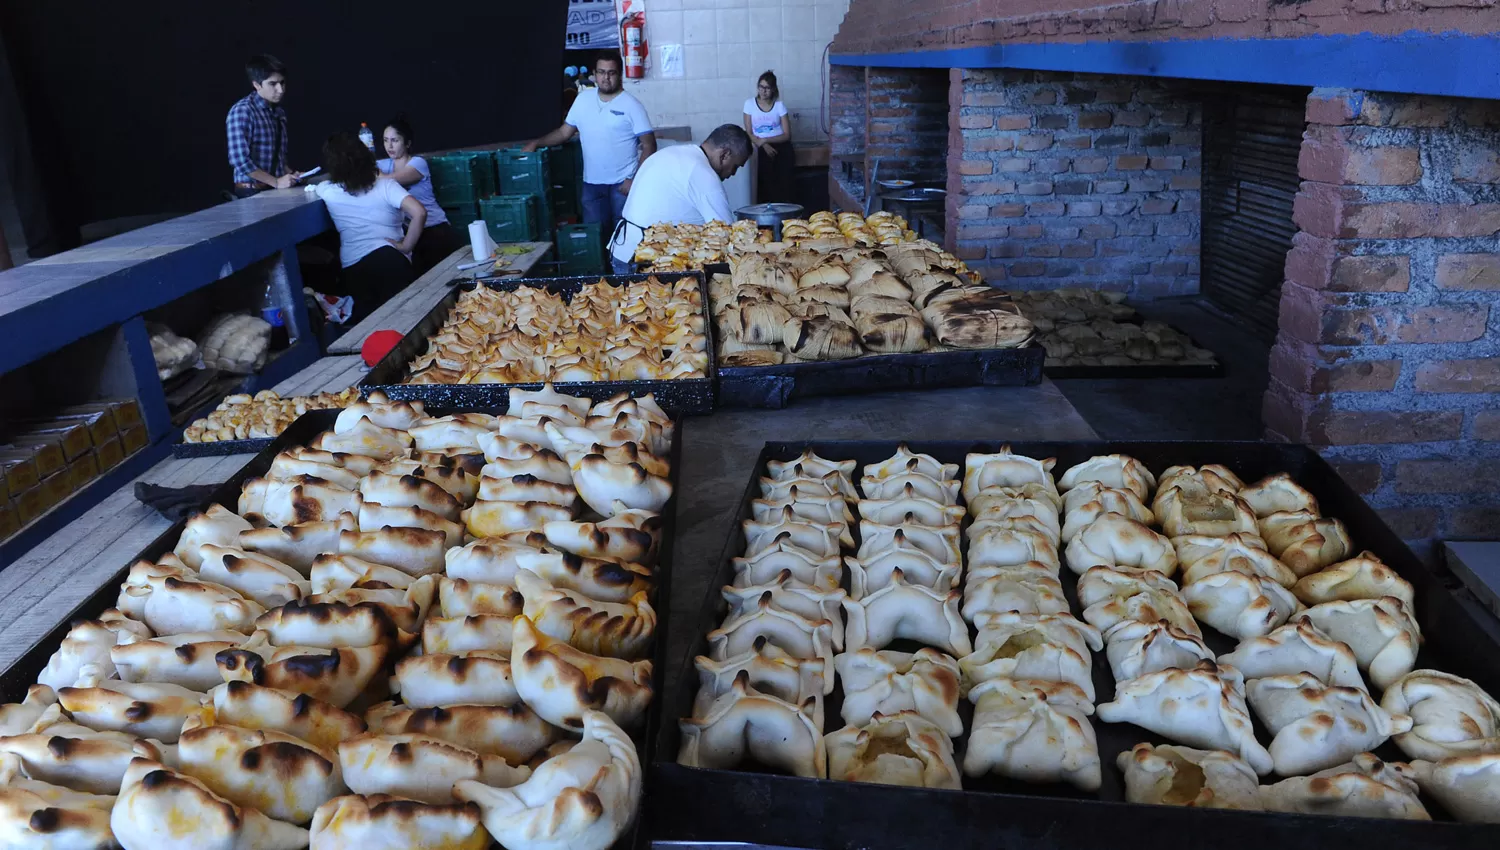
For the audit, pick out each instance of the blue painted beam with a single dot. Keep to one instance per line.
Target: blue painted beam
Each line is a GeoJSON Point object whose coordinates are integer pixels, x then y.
{"type": "Point", "coordinates": [1413, 63]}
{"type": "Point", "coordinates": [50, 303]}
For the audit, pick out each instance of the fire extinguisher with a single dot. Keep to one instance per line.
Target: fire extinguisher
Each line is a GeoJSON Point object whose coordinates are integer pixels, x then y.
{"type": "Point", "coordinates": [633, 36]}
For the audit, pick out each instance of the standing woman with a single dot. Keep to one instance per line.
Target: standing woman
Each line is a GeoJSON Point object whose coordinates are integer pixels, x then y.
{"type": "Point", "coordinates": [438, 238]}
{"type": "Point", "coordinates": [367, 210]}
{"type": "Point", "coordinates": [766, 122]}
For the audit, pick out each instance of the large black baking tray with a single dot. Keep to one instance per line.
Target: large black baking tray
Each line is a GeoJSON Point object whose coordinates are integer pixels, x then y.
{"type": "Point", "coordinates": [15, 679]}
{"type": "Point", "coordinates": [684, 396]}
{"type": "Point", "coordinates": [221, 448]}
{"type": "Point", "coordinates": [1196, 370]}
{"type": "Point", "coordinates": [777, 386]}
{"type": "Point", "coordinates": [762, 807]}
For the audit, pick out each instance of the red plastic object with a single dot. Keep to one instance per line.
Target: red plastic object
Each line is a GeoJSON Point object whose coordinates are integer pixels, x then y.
{"type": "Point", "coordinates": [378, 345]}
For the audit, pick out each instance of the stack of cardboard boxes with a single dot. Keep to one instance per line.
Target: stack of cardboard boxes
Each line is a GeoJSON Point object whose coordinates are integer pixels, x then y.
{"type": "Point", "coordinates": [43, 461]}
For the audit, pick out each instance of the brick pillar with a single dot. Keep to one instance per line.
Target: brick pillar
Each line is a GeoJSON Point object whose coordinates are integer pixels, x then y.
{"type": "Point", "coordinates": [846, 138]}
{"type": "Point", "coordinates": [1063, 180]}
{"type": "Point", "coordinates": [908, 123]}
{"type": "Point", "coordinates": [1386, 352]}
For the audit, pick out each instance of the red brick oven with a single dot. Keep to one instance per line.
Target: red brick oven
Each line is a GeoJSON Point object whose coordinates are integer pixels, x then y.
{"type": "Point", "coordinates": [1075, 146]}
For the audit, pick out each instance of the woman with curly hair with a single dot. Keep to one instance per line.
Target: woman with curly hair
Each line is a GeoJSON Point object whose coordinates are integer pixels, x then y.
{"type": "Point", "coordinates": [368, 209]}
{"type": "Point", "coordinates": [439, 240]}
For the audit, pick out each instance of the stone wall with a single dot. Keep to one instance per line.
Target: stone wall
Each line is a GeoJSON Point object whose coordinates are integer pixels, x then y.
{"type": "Point", "coordinates": [1075, 180]}
{"type": "Point", "coordinates": [1387, 346]}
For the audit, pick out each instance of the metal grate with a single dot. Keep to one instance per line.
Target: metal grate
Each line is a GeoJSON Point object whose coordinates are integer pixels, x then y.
{"type": "Point", "coordinates": [1251, 138]}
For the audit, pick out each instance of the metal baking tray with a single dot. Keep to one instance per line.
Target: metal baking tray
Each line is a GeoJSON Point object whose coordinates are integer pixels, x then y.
{"type": "Point", "coordinates": [777, 386]}
{"type": "Point", "coordinates": [1197, 370]}
{"type": "Point", "coordinates": [685, 396]}
{"type": "Point", "coordinates": [24, 672]}
{"type": "Point", "coordinates": [221, 448]}
{"type": "Point", "coordinates": [767, 808]}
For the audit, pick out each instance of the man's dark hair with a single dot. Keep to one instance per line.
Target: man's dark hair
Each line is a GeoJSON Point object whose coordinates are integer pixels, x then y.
{"type": "Point", "coordinates": [263, 65]}
{"type": "Point", "coordinates": [349, 162]}
{"type": "Point", "coordinates": [731, 137]}
{"type": "Point", "coordinates": [609, 56]}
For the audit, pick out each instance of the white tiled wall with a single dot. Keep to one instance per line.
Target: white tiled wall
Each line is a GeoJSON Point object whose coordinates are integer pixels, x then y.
{"type": "Point", "coordinates": [726, 46]}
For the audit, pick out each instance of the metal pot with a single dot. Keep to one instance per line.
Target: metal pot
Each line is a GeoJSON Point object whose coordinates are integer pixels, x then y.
{"type": "Point", "coordinates": [769, 215]}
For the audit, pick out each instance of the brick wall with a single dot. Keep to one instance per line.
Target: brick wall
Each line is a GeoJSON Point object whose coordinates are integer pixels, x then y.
{"type": "Point", "coordinates": [1075, 180]}
{"type": "Point", "coordinates": [1387, 346]}
{"type": "Point", "coordinates": [877, 26]}
{"type": "Point", "coordinates": [846, 110]}
{"type": "Point", "coordinates": [907, 127]}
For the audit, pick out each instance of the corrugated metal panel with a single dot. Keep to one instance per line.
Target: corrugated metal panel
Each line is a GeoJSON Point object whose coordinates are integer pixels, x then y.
{"type": "Point", "coordinates": [1251, 139]}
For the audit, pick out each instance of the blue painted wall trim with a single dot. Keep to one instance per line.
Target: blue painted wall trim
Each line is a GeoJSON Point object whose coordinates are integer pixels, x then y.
{"type": "Point", "coordinates": [1414, 63]}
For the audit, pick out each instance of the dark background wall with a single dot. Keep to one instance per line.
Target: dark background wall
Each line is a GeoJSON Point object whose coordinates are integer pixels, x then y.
{"type": "Point", "coordinates": [125, 102]}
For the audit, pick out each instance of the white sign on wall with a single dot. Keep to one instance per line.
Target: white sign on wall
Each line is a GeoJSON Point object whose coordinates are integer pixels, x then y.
{"type": "Point", "coordinates": [592, 25]}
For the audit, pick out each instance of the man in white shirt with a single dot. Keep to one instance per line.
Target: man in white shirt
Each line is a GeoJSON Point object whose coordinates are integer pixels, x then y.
{"type": "Point", "coordinates": [616, 136]}
{"type": "Point", "coordinates": [683, 184]}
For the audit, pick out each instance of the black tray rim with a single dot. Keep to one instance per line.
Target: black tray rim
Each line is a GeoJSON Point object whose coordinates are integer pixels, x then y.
{"type": "Point", "coordinates": [988, 818]}
{"type": "Point", "coordinates": [388, 375]}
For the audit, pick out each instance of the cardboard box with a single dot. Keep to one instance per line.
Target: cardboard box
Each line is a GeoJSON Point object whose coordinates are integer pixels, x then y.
{"type": "Point", "coordinates": [84, 470]}
{"type": "Point", "coordinates": [46, 449]}
{"type": "Point", "coordinates": [134, 439]}
{"type": "Point", "coordinates": [110, 454]}
{"type": "Point", "coordinates": [101, 425]}
{"type": "Point", "coordinates": [9, 522]}
{"type": "Point", "coordinates": [96, 408]}
{"type": "Point", "coordinates": [29, 505]}
{"type": "Point", "coordinates": [19, 469]}
{"type": "Point", "coordinates": [58, 487]}
{"type": "Point", "coordinates": [75, 438]}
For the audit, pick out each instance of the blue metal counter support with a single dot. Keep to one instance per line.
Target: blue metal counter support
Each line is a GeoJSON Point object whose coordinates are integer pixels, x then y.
{"type": "Point", "coordinates": [1412, 63]}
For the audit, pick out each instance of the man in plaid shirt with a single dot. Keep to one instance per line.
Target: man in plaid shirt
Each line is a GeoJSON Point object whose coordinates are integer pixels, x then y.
{"type": "Point", "coordinates": [256, 127]}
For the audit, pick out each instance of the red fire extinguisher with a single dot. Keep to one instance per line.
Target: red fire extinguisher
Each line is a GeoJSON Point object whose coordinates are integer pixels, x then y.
{"type": "Point", "coordinates": [633, 37]}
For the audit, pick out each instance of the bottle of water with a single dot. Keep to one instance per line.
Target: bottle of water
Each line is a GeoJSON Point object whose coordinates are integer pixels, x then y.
{"type": "Point", "coordinates": [366, 136]}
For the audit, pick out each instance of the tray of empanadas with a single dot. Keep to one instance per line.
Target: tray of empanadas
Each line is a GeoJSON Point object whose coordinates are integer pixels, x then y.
{"type": "Point", "coordinates": [979, 644]}
{"type": "Point", "coordinates": [593, 337]}
{"type": "Point", "coordinates": [861, 320]}
{"type": "Point", "coordinates": [397, 627]}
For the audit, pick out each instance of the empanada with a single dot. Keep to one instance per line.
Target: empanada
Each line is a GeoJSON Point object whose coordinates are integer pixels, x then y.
{"type": "Point", "coordinates": [1467, 786]}
{"type": "Point", "coordinates": [1304, 541]}
{"type": "Point", "coordinates": [381, 411]}
{"type": "Point", "coordinates": [614, 629]}
{"type": "Point", "coordinates": [1213, 476]}
{"type": "Point", "coordinates": [1381, 632]}
{"type": "Point", "coordinates": [916, 566]}
{"type": "Point", "coordinates": [1295, 648]}
{"type": "Point", "coordinates": [902, 748]}
{"type": "Point", "coordinates": [1114, 595]}
{"type": "Point", "coordinates": [1201, 556]}
{"type": "Point", "coordinates": [459, 598]}
{"type": "Point", "coordinates": [913, 510]}
{"type": "Point", "coordinates": [145, 710]}
{"type": "Point", "coordinates": [941, 542]}
{"type": "Point", "coordinates": [1278, 493]}
{"type": "Point", "coordinates": [299, 715]}
{"type": "Point", "coordinates": [217, 525]}
{"type": "Point", "coordinates": [414, 551]}
{"type": "Point", "coordinates": [913, 612]}
{"type": "Point", "coordinates": [328, 625]}
{"type": "Point", "coordinates": [794, 633]}
{"type": "Point", "coordinates": [583, 799]}
{"type": "Point", "coordinates": [162, 809]}
{"type": "Point", "coordinates": [17, 718]}
{"type": "Point", "coordinates": [603, 482]}
{"type": "Point", "coordinates": [925, 682]}
{"type": "Point", "coordinates": [91, 765]}
{"type": "Point", "coordinates": [419, 767]}
{"type": "Point", "coordinates": [1023, 590]}
{"type": "Point", "coordinates": [911, 484]}
{"type": "Point", "coordinates": [474, 633]}
{"type": "Point", "coordinates": [472, 678]}
{"type": "Point", "coordinates": [172, 605]}
{"type": "Point", "coordinates": [258, 577]}
{"type": "Point", "coordinates": [512, 732]}
{"type": "Point", "coordinates": [383, 822]}
{"type": "Point", "coordinates": [1453, 717]}
{"type": "Point", "coordinates": [408, 491]}
{"type": "Point", "coordinates": [366, 439]}
{"type": "Point", "coordinates": [1050, 648]}
{"type": "Point", "coordinates": [1112, 471]}
{"type": "Point", "coordinates": [373, 517]}
{"type": "Point", "coordinates": [496, 519]}
{"type": "Point", "coordinates": [284, 777]}
{"type": "Point", "coordinates": [821, 540]}
{"type": "Point", "coordinates": [90, 642]}
{"type": "Point", "coordinates": [450, 432]}
{"type": "Point", "coordinates": [905, 460]}
{"type": "Point", "coordinates": [1189, 508]}
{"type": "Point", "coordinates": [1318, 726]}
{"type": "Point", "coordinates": [1360, 577]}
{"type": "Point", "coordinates": [742, 722]}
{"type": "Point", "coordinates": [1182, 776]}
{"type": "Point", "coordinates": [771, 670]}
{"type": "Point", "coordinates": [1239, 605]}
{"type": "Point", "coordinates": [562, 684]}
{"type": "Point", "coordinates": [1365, 787]}
{"type": "Point", "coordinates": [525, 487]}
{"type": "Point", "coordinates": [610, 542]}
{"type": "Point", "coordinates": [805, 569]}
{"type": "Point", "coordinates": [1201, 707]}
{"type": "Point", "coordinates": [1087, 502]}
{"type": "Point", "coordinates": [336, 676]}
{"type": "Point", "coordinates": [998, 547]}
{"type": "Point", "coordinates": [1113, 540]}
{"type": "Point", "coordinates": [298, 545]}
{"type": "Point", "coordinates": [1135, 649]}
{"type": "Point", "coordinates": [406, 607]}
{"type": "Point", "coordinates": [1008, 470]}
{"type": "Point", "coordinates": [1033, 731]}
{"type": "Point", "coordinates": [338, 572]}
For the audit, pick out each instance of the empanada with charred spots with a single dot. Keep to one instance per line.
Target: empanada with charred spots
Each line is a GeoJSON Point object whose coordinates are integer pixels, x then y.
{"type": "Point", "coordinates": [1006, 469]}
{"type": "Point", "coordinates": [218, 525]}
{"type": "Point", "coordinates": [381, 411]}
{"type": "Point", "coordinates": [17, 718]}
{"type": "Point", "coordinates": [583, 799]}
{"type": "Point", "coordinates": [487, 519]}
{"type": "Point", "coordinates": [1023, 590]}
{"type": "Point", "coordinates": [513, 732]}
{"type": "Point", "coordinates": [450, 432]}
{"type": "Point", "coordinates": [815, 509]}
{"type": "Point", "coordinates": [408, 491]}
{"type": "Point", "coordinates": [258, 577]}
{"type": "Point", "coordinates": [329, 625]}
{"type": "Point", "coordinates": [1317, 726]}
{"type": "Point", "coordinates": [163, 809]}
{"type": "Point", "coordinates": [884, 682]}
{"type": "Point", "coordinates": [373, 517]}
{"type": "Point", "coordinates": [414, 551]}
{"type": "Point", "coordinates": [459, 598]}
{"type": "Point", "coordinates": [1112, 471]}
{"type": "Point", "coordinates": [337, 572]}
{"type": "Point", "coordinates": [827, 484]}
{"type": "Point", "coordinates": [623, 544]}
{"type": "Point", "coordinates": [541, 464]}
{"type": "Point", "coordinates": [1033, 731]}
{"type": "Point", "coordinates": [297, 545]}
{"type": "Point", "coordinates": [471, 678]}
{"type": "Point", "coordinates": [742, 722]}
{"type": "Point", "coordinates": [419, 767]}
{"type": "Point", "coordinates": [172, 605]}
{"type": "Point", "coordinates": [145, 710]}
{"type": "Point", "coordinates": [284, 777]}
{"type": "Point", "coordinates": [383, 822]}
{"type": "Point", "coordinates": [525, 487]}
{"type": "Point", "coordinates": [1240, 606]}
{"type": "Point", "coordinates": [90, 642]}
{"type": "Point", "coordinates": [806, 570]}
{"type": "Point", "coordinates": [562, 684]}
{"type": "Point", "coordinates": [90, 765]}
{"type": "Point", "coordinates": [251, 706]}
{"type": "Point", "coordinates": [903, 748]}
{"type": "Point", "coordinates": [407, 607]}
{"type": "Point", "coordinates": [603, 483]}
{"type": "Point", "coordinates": [336, 676]}
{"type": "Point", "coordinates": [614, 629]}
{"type": "Point", "coordinates": [1365, 787]}
{"type": "Point", "coordinates": [299, 499]}
{"type": "Point", "coordinates": [1185, 509]}
{"type": "Point", "coordinates": [1170, 775]}
{"type": "Point", "coordinates": [1381, 632]}
{"type": "Point", "coordinates": [474, 633]}
{"type": "Point", "coordinates": [907, 611]}
{"type": "Point", "coordinates": [1201, 707]}
{"type": "Point", "coordinates": [40, 815]}
{"type": "Point", "coordinates": [1135, 649]}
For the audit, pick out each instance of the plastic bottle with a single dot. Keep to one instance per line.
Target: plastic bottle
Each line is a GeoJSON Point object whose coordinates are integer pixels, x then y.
{"type": "Point", "coordinates": [274, 316]}
{"type": "Point", "coordinates": [366, 136]}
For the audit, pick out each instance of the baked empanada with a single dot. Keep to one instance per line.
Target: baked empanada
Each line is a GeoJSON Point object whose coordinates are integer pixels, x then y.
{"type": "Point", "coordinates": [472, 678]}
{"type": "Point", "coordinates": [742, 722]}
{"type": "Point", "coordinates": [92, 765]}
{"type": "Point", "coordinates": [911, 484]}
{"type": "Point", "coordinates": [1169, 775]}
{"type": "Point", "coordinates": [1278, 493]}
{"type": "Point", "coordinates": [794, 633]}
{"type": "Point", "coordinates": [1112, 595]}
{"type": "Point", "coordinates": [617, 630]}
{"type": "Point", "coordinates": [1318, 726]}
{"type": "Point", "coordinates": [925, 682]}
{"type": "Point", "coordinates": [1023, 590]}
{"type": "Point", "coordinates": [806, 569]}
{"type": "Point", "coordinates": [821, 540]}
{"type": "Point", "coordinates": [145, 710]}
{"type": "Point", "coordinates": [1000, 547]}
{"type": "Point", "coordinates": [373, 517]}
{"type": "Point", "coordinates": [299, 545]}
{"type": "Point", "coordinates": [512, 732]}
{"type": "Point", "coordinates": [1360, 577]}
{"type": "Point", "coordinates": [254, 576]}
{"type": "Point", "coordinates": [496, 519]}
{"type": "Point", "coordinates": [902, 748]}
{"type": "Point", "coordinates": [1295, 648]}
{"type": "Point", "coordinates": [1113, 540]}
{"type": "Point", "coordinates": [1009, 470]}
{"type": "Point", "coordinates": [1467, 786]}
{"type": "Point", "coordinates": [1201, 707]}
{"type": "Point", "coordinates": [414, 551]}
{"type": "Point", "coordinates": [1239, 605]}
{"type": "Point", "coordinates": [162, 809]}
{"type": "Point", "coordinates": [913, 510]}
{"type": "Point", "coordinates": [383, 822]}
{"type": "Point", "coordinates": [366, 439]}
{"type": "Point", "coordinates": [1050, 648]}
{"type": "Point", "coordinates": [254, 707]}
{"type": "Point", "coordinates": [941, 542]}
{"type": "Point", "coordinates": [284, 777]}
{"type": "Point", "coordinates": [336, 676]}
{"type": "Point", "coordinates": [1087, 502]}
{"type": "Point", "coordinates": [474, 633]}
{"type": "Point", "coordinates": [913, 612]}
{"type": "Point", "coordinates": [1304, 541]}
{"type": "Point", "coordinates": [1201, 556]}
{"type": "Point", "coordinates": [562, 684]}
{"type": "Point", "coordinates": [173, 605]}
{"type": "Point", "coordinates": [459, 598]}
{"type": "Point", "coordinates": [17, 718]}
{"type": "Point", "coordinates": [329, 625]}
{"type": "Point", "coordinates": [217, 525]}
{"type": "Point", "coordinates": [603, 482]}
{"type": "Point", "coordinates": [916, 566]}
{"type": "Point", "coordinates": [91, 642]}
{"type": "Point", "coordinates": [1112, 471]}
{"type": "Point", "coordinates": [418, 767]}
{"type": "Point", "coordinates": [1033, 731]}
{"type": "Point", "coordinates": [1135, 649]}
{"type": "Point", "coordinates": [1381, 632]}
{"type": "Point", "coordinates": [398, 415]}
{"type": "Point", "coordinates": [29, 819]}
{"type": "Point", "coordinates": [1453, 717]}
{"type": "Point", "coordinates": [1365, 787]}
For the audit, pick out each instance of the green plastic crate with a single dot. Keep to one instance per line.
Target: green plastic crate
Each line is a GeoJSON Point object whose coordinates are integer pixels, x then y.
{"type": "Point", "coordinates": [461, 215]}
{"type": "Point", "coordinates": [510, 218]}
{"type": "Point", "coordinates": [463, 177]}
{"type": "Point", "coordinates": [580, 248]}
{"type": "Point", "coordinates": [523, 173]}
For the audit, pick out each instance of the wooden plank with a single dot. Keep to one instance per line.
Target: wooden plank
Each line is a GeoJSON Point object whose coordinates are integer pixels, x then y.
{"type": "Point", "coordinates": [306, 381]}
{"type": "Point", "coordinates": [70, 566]}
{"type": "Point", "coordinates": [353, 368]}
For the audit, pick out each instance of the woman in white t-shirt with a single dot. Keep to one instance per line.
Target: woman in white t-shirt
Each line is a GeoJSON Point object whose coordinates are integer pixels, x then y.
{"type": "Point", "coordinates": [775, 163]}
{"type": "Point", "coordinates": [439, 240]}
{"type": "Point", "coordinates": [368, 210]}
